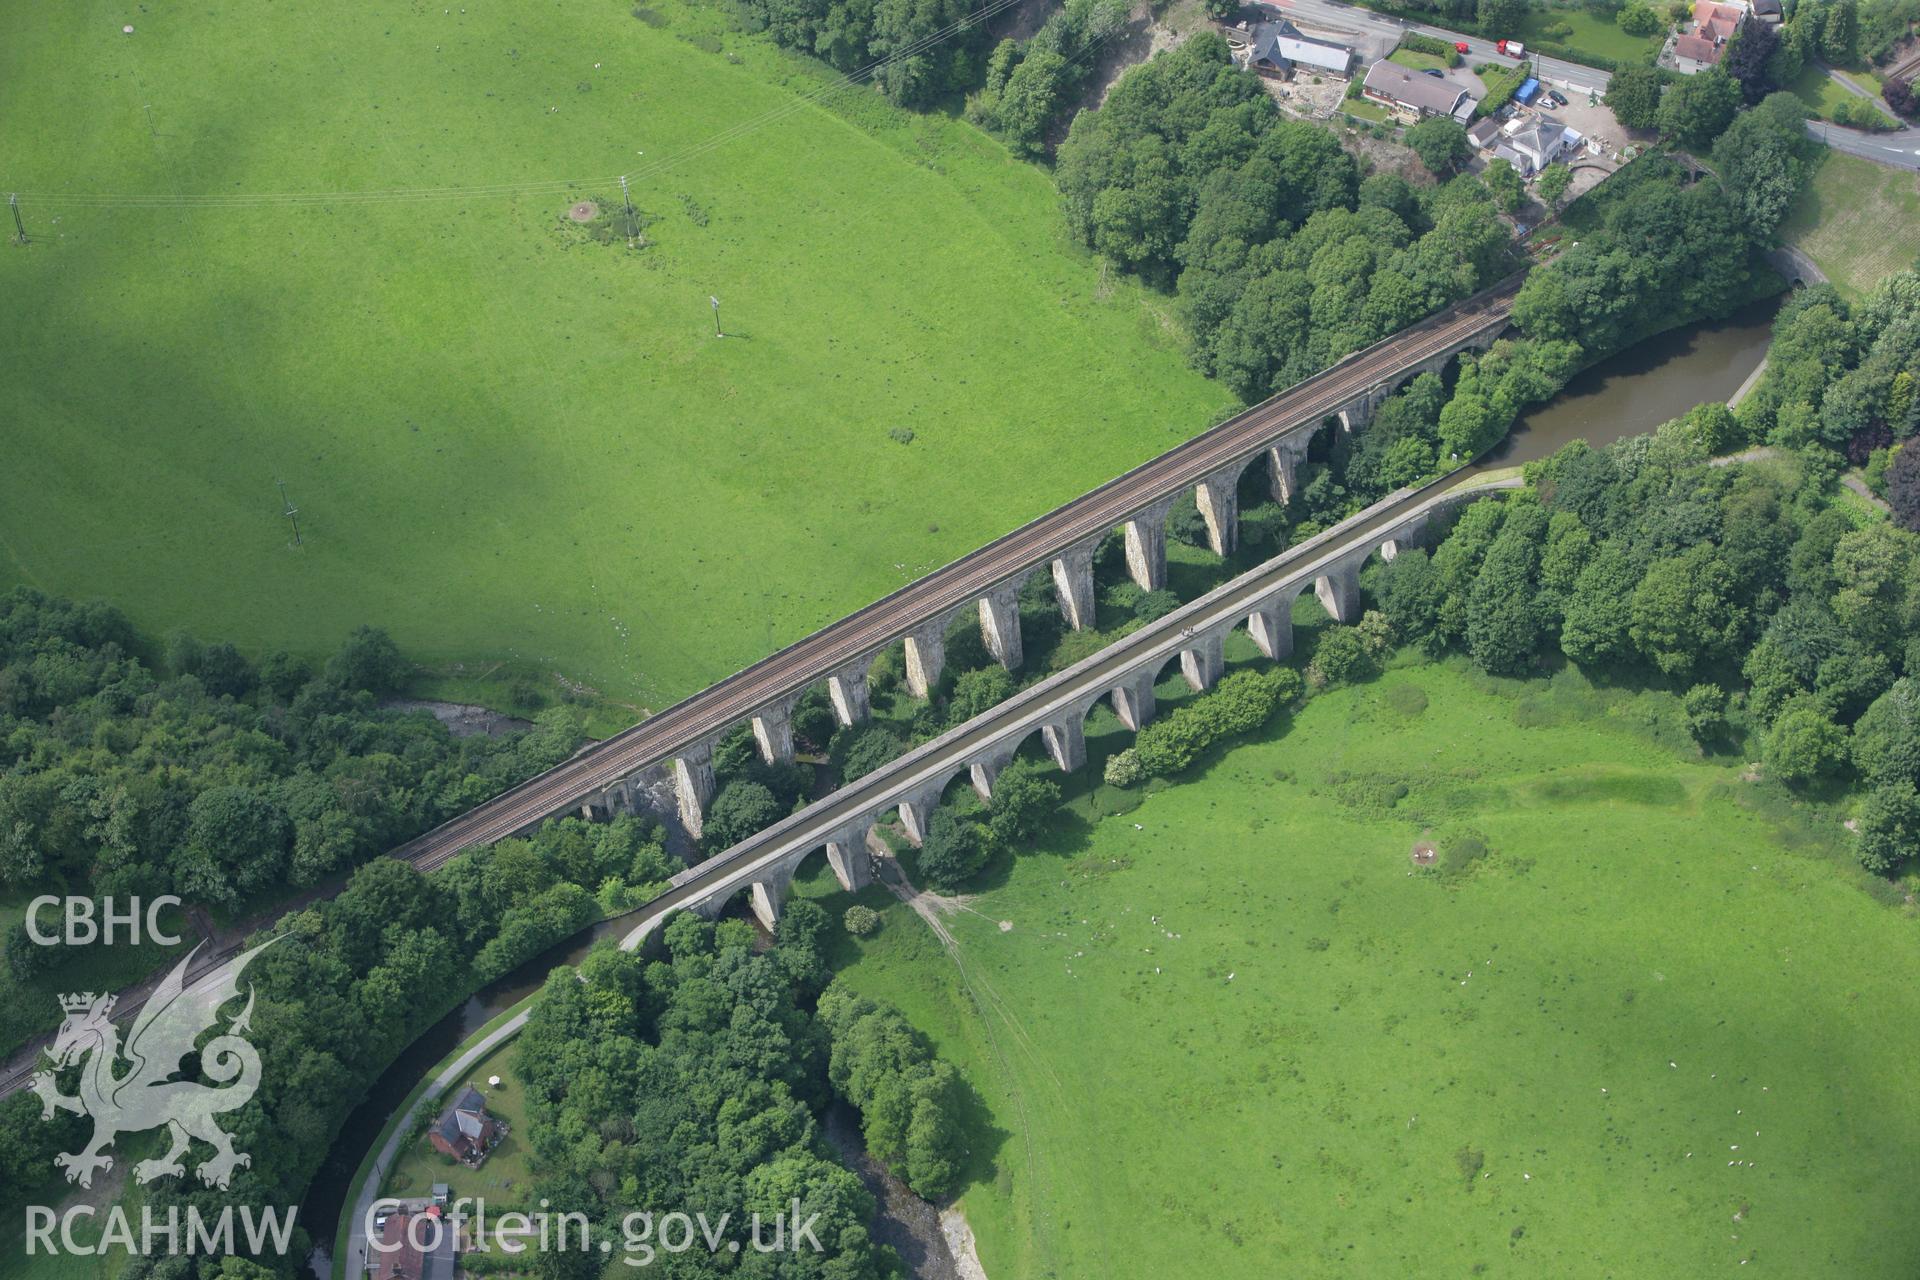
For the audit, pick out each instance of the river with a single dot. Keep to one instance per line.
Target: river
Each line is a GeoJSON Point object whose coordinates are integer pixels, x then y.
{"type": "Point", "coordinates": [1644, 386]}
{"type": "Point", "coordinates": [1623, 395]}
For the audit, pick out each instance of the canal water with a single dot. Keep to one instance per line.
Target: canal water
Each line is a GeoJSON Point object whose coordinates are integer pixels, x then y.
{"type": "Point", "coordinates": [1625, 395]}
{"type": "Point", "coordinates": [320, 1214]}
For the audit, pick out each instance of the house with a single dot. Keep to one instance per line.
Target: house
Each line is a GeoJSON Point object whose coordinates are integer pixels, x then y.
{"type": "Point", "coordinates": [1769, 12]}
{"type": "Point", "coordinates": [414, 1246]}
{"type": "Point", "coordinates": [1484, 135]}
{"type": "Point", "coordinates": [1714, 23]}
{"type": "Point", "coordinates": [1532, 145]}
{"type": "Point", "coordinates": [1278, 50]}
{"type": "Point", "coordinates": [1414, 96]}
{"type": "Point", "coordinates": [466, 1131]}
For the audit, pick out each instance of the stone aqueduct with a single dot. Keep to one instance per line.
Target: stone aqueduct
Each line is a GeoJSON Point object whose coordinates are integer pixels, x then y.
{"type": "Point", "coordinates": [1329, 564]}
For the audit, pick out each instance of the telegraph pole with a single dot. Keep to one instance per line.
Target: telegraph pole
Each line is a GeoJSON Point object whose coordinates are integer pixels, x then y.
{"type": "Point", "coordinates": [19, 227]}
{"type": "Point", "coordinates": [633, 224]}
{"type": "Point", "coordinates": [716, 316]}
{"type": "Point", "coordinates": [148, 108]}
{"type": "Point", "coordinates": [291, 512]}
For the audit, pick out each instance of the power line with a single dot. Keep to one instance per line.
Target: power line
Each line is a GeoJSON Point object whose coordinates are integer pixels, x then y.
{"type": "Point", "coordinates": [551, 186]}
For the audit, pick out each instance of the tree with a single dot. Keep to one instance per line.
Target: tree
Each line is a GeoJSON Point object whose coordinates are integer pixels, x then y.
{"type": "Point", "coordinates": [862, 749]}
{"type": "Point", "coordinates": [368, 660]}
{"type": "Point", "coordinates": [1023, 799]}
{"type": "Point", "coordinates": [1124, 769]}
{"type": "Point", "coordinates": [1840, 32]}
{"type": "Point", "coordinates": [742, 809]}
{"type": "Point", "coordinates": [1899, 95]}
{"type": "Point", "coordinates": [954, 850]}
{"type": "Point", "coordinates": [977, 692]}
{"type": "Point", "coordinates": [1638, 19]}
{"type": "Point", "coordinates": [1749, 58]}
{"type": "Point", "coordinates": [1888, 827]}
{"type": "Point", "coordinates": [1440, 143]}
{"type": "Point", "coordinates": [1500, 19]}
{"type": "Point", "coordinates": [1803, 745]}
{"type": "Point", "coordinates": [1886, 739]}
{"type": "Point", "coordinates": [1903, 488]}
{"type": "Point", "coordinates": [1699, 108]}
{"type": "Point", "coordinates": [1633, 95]}
{"type": "Point", "coordinates": [1509, 191]}
{"type": "Point", "coordinates": [1552, 183]}
{"type": "Point", "coordinates": [1599, 613]}
{"type": "Point", "coordinates": [1765, 159]}
{"type": "Point", "coordinates": [861, 921]}
{"type": "Point", "coordinates": [1705, 707]}
{"type": "Point", "coordinates": [1222, 10]}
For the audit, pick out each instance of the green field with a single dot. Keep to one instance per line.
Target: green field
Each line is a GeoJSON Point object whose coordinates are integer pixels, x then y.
{"type": "Point", "coordinates": [1821, 93]}
{"type": "Point", "coordinates": [1234, 1032]}
{"type": "Point", "coordinates": [1591, 34]}
{"type": "Point", "coordinates": [508, 443]}
{"type": "Point", "coordinates": [1416, 60]}
{"type": "Point", "coordinates": [1858, 220]}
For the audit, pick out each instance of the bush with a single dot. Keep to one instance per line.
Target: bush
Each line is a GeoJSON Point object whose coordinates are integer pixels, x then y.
{"type": "Point", "coordinates": [1431, 46]}
{"type": "Point", "coordinates": [1639, 20]}
{"type": "Point", "coordinates": [955, 850]}
{"type": "Point", "coordinates": [1238, 704]}
{"type": "Point", "coordinates": [861, 922]}
{"type": "Point", "coordinates": [1124, 768]}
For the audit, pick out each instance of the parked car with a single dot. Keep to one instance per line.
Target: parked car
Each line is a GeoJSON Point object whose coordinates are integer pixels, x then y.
{"type": "Point", "coordinates": [1460, 46]}
{"type": "Point", "coordinates": [1435, 71]}
{"type": "Point", "coordinates": [1557, 98]}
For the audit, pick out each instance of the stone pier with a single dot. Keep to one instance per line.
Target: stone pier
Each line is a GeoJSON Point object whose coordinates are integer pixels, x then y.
{"type": "Point", "coordinates": [1067, 741]}
{"type": "Point", "coordinates": [1133, 701]}
{"type": "Point", "coordinates": [916, 811]}
{"type": "Point", "coordinates": [1146, 534]}
{"type": "Point", "coordinates": [1218, 497]}
{"type": "Point", "coordinates": [1284, 457]}
{"type": "Point", "coordinates": [768, 894]}
{"type": "Point", "coordinates": [847, 687]}
{"type": "Point", "coordinates": [773, 730]}
{"type": "Point", "coordinates": [1000, 624]}
{"type": "Point", "coordinates": [988, 767]}
{"type": "Point", "coordinates": [1203, 664]}
{"type": "Point", "coordinates": [693, 784]}
{"type": "Point", "coordinates": [1339, 593]}
{"type": "Point", "coordinates": [926, 656]}
{"type": "Point", "coordinates": [1073, 580]}
{"type": "Point", "coordinates": [1271, 626]}
{"type": "Point", "coordinates": [847, 855]}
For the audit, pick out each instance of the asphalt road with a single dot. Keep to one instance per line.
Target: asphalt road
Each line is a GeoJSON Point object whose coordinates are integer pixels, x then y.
{"type": "Point", "coordinates": [1899, 148]}
{"type": "Point", "coordinates": [1328, 15]}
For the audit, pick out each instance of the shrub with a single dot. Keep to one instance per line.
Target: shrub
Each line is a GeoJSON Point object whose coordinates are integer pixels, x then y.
{"type": "Point", "coordinates": [1238, 704]}
{"type": "Point", "coordinates": [861, 922]}
{"type": "Point", "coordinates": [955, 849]}
{"type": "Point", "coordinates": [1432, 46]}
{"type": "Point", "coordinates": [1124, 768]}
{"type": "Point", "coordinates": [1636, 20]}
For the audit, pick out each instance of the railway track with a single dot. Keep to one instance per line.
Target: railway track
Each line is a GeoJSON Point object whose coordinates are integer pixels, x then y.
{"type": "Point", "coordinates": [886, 620]}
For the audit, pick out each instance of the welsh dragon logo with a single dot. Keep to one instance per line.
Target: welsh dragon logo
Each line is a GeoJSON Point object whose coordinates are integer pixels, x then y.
{"type": "Point", "coordinates": [146, 1096]}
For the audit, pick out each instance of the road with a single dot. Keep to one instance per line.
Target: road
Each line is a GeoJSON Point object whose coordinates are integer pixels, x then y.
{"type": "Point", "coordinates": [1328, 15]}
{"type": "Point", "coordinates": [1899, 148]}
{"type": "Point", "coordinates": [957, 585]}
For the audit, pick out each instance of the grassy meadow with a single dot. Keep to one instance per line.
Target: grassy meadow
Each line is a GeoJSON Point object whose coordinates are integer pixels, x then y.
{"type": "Point", "coordinates": [520, 448]}
{"type": "Point", "coordinates": [1859, 221]}
{"type": "Point", "coordinates": [1640, 1018]}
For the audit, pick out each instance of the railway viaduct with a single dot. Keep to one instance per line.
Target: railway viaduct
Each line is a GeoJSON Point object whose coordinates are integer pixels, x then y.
{"type": "Point", "coordinates": [1273, 435]}
{"type": "Point", "coordinates": [1056, 709]}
